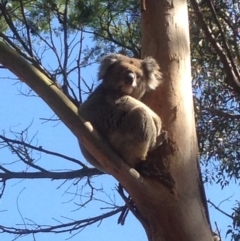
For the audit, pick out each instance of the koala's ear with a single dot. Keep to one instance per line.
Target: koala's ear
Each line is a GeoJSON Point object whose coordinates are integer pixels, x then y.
{"type": "Point", "coordinates": [106, 62]}
{"type": "Point", "coordinates": [152, 71]}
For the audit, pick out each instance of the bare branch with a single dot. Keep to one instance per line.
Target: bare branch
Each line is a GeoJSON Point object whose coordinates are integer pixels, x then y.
{"type": "Point", "coordinates": [85, 172]}
{"type": "Point", "coordinates": [29, 41]}
{"type": "Point", "coordinates": [67, 112]}
{"type": "Point", "coordinates": [220, 210]}
{"type": "Point", "coordinates": [41, 149]}
{"type": "Point", "coordinates": [62, 228]}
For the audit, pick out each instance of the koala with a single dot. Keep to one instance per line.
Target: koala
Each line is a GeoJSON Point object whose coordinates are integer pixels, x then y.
{"type": "Point", "coordinates": [114, 109]}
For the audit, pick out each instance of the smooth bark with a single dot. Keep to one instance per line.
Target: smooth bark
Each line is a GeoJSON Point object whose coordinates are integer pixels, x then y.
{"type": "Point", "coordinates": [167, 212]}
{"type": "Point", "coordinates": [165, 36]}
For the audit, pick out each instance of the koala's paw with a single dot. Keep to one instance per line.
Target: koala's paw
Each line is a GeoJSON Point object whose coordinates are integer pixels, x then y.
{"type": "Point", "coordinates": [162, 138]}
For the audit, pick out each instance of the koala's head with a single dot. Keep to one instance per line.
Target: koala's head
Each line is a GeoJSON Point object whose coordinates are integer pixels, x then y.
{"type": "Point", "coordinates": [129, 75]}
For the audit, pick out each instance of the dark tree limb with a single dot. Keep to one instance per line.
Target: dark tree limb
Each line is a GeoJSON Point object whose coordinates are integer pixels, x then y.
{"type": "Point", "coordinates": [85, 172]}
{"type": "Point", "coordinates": [232, 73]}
{"type": "Point", "coordinates": [64, 227]}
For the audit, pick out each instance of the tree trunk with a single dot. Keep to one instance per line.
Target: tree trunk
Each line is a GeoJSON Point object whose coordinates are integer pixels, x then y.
{"type": "Point", "coordinates": [182, 214]}
{"type": "Point", "coordinates": [171, 204]}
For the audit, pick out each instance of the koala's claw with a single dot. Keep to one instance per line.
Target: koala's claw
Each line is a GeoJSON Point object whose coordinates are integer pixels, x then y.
{"type": "Point", "coordinates": [161, 138]}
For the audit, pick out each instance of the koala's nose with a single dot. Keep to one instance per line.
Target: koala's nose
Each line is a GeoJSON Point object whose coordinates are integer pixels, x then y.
{"type": "Point", "coordinates": [130, 77]}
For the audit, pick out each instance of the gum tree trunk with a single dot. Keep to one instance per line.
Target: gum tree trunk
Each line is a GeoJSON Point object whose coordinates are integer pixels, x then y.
{"type": "Point", "coordinates": [169, 204]}
{"type": "Point", "coordinates": [181, 215]}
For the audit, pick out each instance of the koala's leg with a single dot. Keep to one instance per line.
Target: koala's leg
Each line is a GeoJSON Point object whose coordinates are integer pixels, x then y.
{"type": "Point", "coordinates": [90, 158]}
{"type": "Point", "coordinates": [135, 135]}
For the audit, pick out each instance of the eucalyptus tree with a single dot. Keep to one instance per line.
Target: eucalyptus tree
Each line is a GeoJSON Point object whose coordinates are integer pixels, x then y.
{"type": "Point", "coordinates": [172, 206]}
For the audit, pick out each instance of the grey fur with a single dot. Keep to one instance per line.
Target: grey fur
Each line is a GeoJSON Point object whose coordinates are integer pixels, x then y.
{"type": "Point", "coordinates": [130, 127]}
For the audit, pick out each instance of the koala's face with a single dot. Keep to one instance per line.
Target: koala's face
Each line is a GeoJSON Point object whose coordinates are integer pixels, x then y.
{"type": "Point", "coordinates": [130, 76]}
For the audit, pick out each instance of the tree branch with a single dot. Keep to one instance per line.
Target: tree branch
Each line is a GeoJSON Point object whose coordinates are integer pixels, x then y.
{"type": "Point", "coordinates": [232, 73]}
{"type": "Point", "coordinates": [67, 112]}
{"type": "Point", "coordinates": [22, 143]}
{"type": "Point", "coordinates": [224, 41]}
{"type": "Point", "coordinates": [84, 172]}
{"type": "Point", "coordinates": [64, 227]}
{"type": "Point", "coordinates": [220, 210]}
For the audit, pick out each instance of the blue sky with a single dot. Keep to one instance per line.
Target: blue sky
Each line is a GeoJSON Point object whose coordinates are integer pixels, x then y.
{"type": "Point", "coordinates": [53, 202]}
{"type": "Point", "coordinates": [43, 201]}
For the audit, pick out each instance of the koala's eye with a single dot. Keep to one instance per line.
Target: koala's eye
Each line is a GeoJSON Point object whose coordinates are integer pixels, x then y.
{"type": "Point", "coordinates": [138, 75]}
{"type": "Point", "coordinates": [130, 78]}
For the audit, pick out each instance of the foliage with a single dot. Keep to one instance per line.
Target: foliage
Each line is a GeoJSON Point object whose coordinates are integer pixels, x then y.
{"type": "Point", "coordinates": [216, 97]}
{"type": "Point", "coordinates": [216, 84]}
